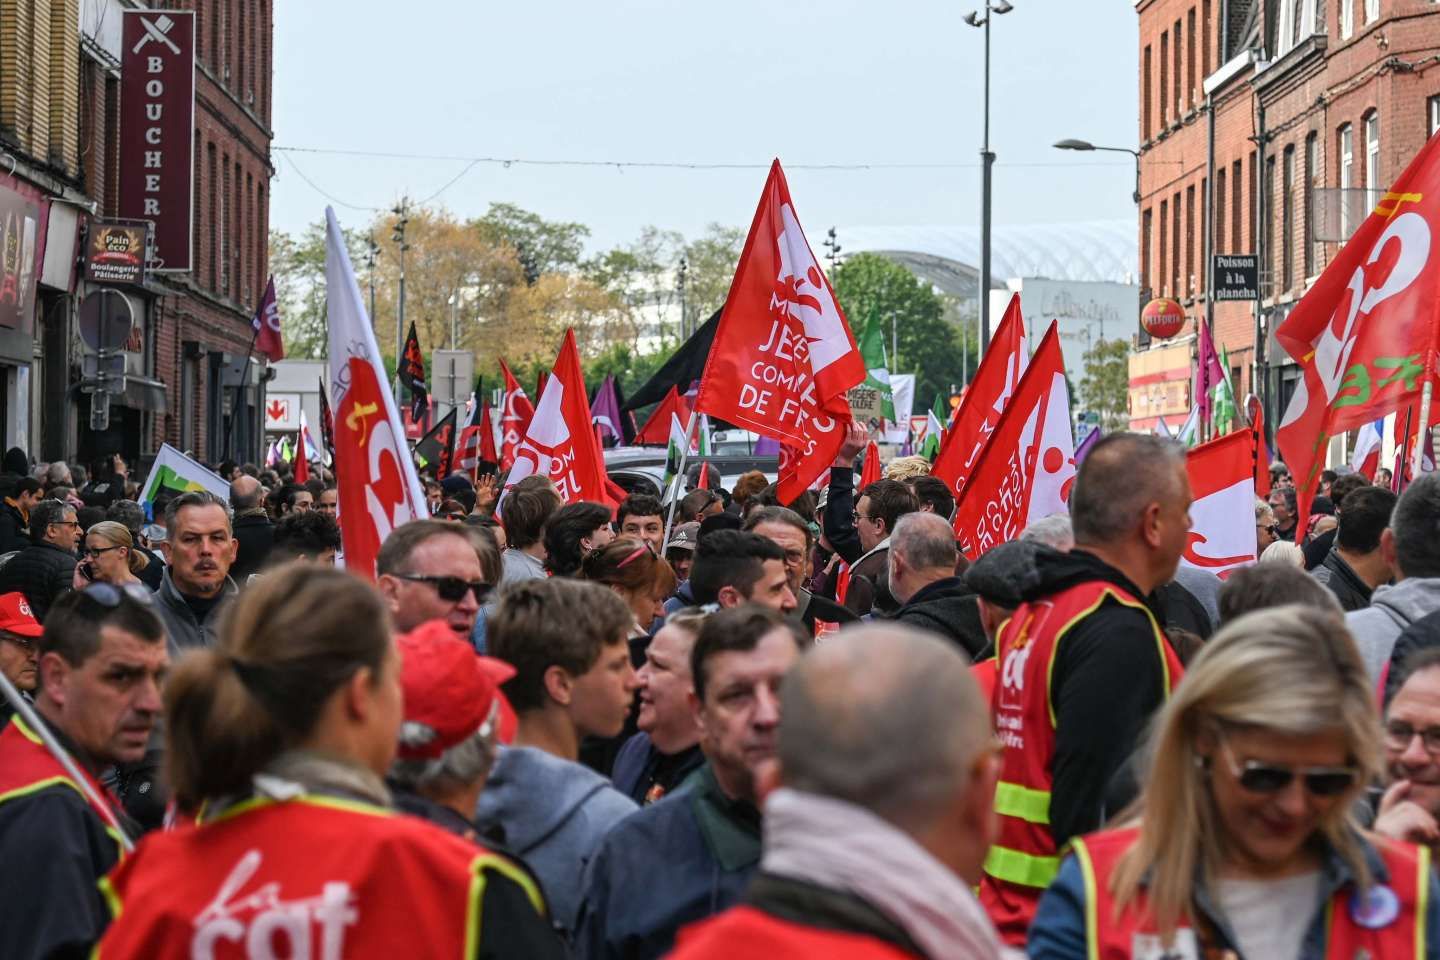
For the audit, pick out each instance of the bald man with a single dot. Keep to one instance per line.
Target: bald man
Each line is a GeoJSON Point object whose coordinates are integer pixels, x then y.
{"type": "Point", "coordinates": [922, 560]}
{"type": "Point", "coordinates": [252, 527]}
{"type": "Point", "coordinates": [870, 851]}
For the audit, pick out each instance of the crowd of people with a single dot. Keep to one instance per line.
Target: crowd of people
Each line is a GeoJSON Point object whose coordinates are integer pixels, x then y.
{"type": "Point", "coordinates": [727, 727]}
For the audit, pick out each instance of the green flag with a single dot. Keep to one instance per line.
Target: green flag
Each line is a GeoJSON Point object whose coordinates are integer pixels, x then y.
{"type": "Point", "coordinates": [1222, 401]}
{"type": "Point", "coordinates": [872, 349]}
{"type": "Point", "coordinates": [934, 429]}
{"type": "Point", "coordinates": [177, 473]}
{"type": "Point", "coordinates": [674, 453]}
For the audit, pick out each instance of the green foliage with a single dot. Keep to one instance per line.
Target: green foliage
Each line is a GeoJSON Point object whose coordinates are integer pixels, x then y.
{"type": "Point", "coordinates": [298, 264]}
{"type": "Point", "coordinates": [630, 369]}
{"type": "Point", "coordinates": [711, 261]}
{"type": "Point", "coordinates": [1105, 384]}
{"type": "Point", "coordinates": [868, 284]}
{"type": "Point", "coordinates": [542, 246]}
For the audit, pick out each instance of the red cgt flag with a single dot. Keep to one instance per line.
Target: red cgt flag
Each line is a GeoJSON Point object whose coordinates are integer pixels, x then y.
{"type": "Point", "coordinates": [1222, 524]}
{"type": "Point", "coordinates": [1027, 467]}
{"type": "Point", "coordinates": [984, 401]}
{"type": "Point", "coordinates": [870, 472]}
{"type": "Point", "coordinates": [1365, 334]}
{"type": "Point", "coordinates": [515, 413]}
{"type": "Point", "coordinates": [560, 442]}
{"type": "Point", "coordinates": [783, 354]}
{"type": "Point", "coordinates": [656, 432]}
{"type": "Point", "coordinates": [266, 324]}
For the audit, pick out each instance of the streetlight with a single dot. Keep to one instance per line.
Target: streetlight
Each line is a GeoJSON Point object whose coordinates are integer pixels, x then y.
{"type": "Point", "coordinates": [987, 160]}
{"type": "Point", "coordinates": [1084, 145]}
{"type": "Point", "coordinates": [397, 236]}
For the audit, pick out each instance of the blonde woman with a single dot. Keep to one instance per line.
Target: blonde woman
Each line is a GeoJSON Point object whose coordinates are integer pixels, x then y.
{"type": "Point", "coordinates": [109, 556]}
{"type": "Point", "coordinates": [1242, 843]}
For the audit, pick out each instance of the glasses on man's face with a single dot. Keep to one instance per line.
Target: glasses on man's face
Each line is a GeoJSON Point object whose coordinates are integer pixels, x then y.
{"type": "Point", "coordinates": [856, 516]}
{"type": "Point", "coordinates": [1399, 735]}
{"type": "Point", "coordinates": [451, 589]}
{"type": "Point", "coordinates": [24, 643]}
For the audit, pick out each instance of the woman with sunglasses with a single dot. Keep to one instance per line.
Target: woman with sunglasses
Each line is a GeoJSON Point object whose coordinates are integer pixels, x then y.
{"type": "Point", "coordinates": [283, 732]}
{"type": "Point", "coordinates": [109, 556]}
{"type": "Point", "coordinates": [1242, 843]}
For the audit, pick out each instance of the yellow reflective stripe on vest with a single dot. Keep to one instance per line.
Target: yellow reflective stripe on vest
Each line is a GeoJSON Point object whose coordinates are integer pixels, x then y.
{"type": "Point", "coordinates": [1014, 800]}
{"type": "Point", "coordinates": [1087, 873]}
{"type": "Point", "coordinates": [1422, 901]}
{"type": "Point", "coordinates": [1023, 869]}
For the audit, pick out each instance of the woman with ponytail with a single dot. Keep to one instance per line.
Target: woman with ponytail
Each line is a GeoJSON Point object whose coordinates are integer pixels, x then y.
{"type": "Point", "coordinates": [279, 738]}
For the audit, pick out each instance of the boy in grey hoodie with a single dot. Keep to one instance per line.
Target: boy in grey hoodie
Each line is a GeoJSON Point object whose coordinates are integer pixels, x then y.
{"type": "Point", "coordinates": [1412, 548]}
{"type": "Point", "coordinates": [566, 640]}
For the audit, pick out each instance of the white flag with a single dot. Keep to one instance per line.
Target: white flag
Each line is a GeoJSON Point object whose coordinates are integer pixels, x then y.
{"type": "Point", "coordinates": [175, 473]}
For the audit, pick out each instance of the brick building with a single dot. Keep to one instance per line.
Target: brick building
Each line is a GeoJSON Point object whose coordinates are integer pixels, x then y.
{"type": "Point", "coordinates": [60, 91]}
{"type": "Point", "coordinates": [1313, 108]}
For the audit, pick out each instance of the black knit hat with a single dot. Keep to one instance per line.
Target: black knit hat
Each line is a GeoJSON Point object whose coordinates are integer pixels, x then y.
{"type": "Point", "coordinates": [1004, 574]}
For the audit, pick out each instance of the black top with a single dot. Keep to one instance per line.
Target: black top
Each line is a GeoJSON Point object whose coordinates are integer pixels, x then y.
{"type": "Point", "coordinates": [947, 607]}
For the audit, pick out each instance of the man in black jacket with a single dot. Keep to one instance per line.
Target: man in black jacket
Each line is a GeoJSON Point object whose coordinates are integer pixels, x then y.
{"type": "Point", "coordinates": [922, 578]}
{"type": "Point", "coordinates": [1355, 565]}
{"type": "Point", "coordinates": [789, 531]}
{"type": "Point", "coordinates": [46, 568]}
{"type": "Point", "coordinates": [20, 494]}
{"type": "Point", "coordinates": [58, 841]}
{"type": "Point", "coordinates": [253, 530]}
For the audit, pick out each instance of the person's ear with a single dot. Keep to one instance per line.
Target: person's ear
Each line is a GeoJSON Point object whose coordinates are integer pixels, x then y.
{"type": "Point", "coordinates": [54, 677]}
{"type": "Point", "coordinates": [164, 546]}
{"type": "Point", "coordinates": [559, 685]}
{"type": "Point", "coordinates": [697, 710]}
{"type": "Point", "coordinates": [389, 588]}
{"type": "Point", "coordinates": [1150, 525]}
{"type": "Point", "coordinates": [729, 597]}
{"type": "Point", "coordinates": [234, 549]}
{"type": "Point", "coordinates": [1387, 551]}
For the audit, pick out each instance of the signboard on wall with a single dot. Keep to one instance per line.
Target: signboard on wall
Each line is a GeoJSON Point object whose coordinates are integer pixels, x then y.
{"type": "Point", "coordinates": [157, 130]}
{"type": "Point", "coordinates": [19, 259]}
{"type": "Point", "coordinates": [115, 253]}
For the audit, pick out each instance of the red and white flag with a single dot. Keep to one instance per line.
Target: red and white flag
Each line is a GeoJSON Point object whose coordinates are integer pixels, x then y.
{"type": "Point", "coordinates": [1027, 468]}
{"type": "Point", "coordinates": [515, 413]}
{"type": "Point", "coordinates": [477, 437]}
{"type": "Point", "coordinates": [1366, 458]}
{"type": "Point", "coordinates": [1365, 335]}
{"type": "Point", "coordinates": [656, 432]}
{"type": "Point", "coordinates": [266, 324]}
{"type": "Point", "coordinates": [870, 472]}
{"type": "Point", "coordinates": [1222, 512]}
{"type": "Point", "coordinates": [980, 407]}
{"type": "Point", "coordinates": [378, 486]}
{"type": "Point", "coordinates": [783, 354]}
{"type": "Point", "coordinates": [560, 442]}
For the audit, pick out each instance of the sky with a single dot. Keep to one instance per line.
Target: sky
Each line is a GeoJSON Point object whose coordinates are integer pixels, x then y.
{"type": "Point", "coordinates": [731, 82]}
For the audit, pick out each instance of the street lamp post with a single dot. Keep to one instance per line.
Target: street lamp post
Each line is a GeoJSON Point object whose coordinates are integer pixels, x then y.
{"type": "Point", "coordinates": [372, 252]}
{"type": "Point", "coordinates": [1085, 145]}
{"type": "Point", "coordinates": [987, 160]}
{"type": "Point", "coordinates": [402, 213]}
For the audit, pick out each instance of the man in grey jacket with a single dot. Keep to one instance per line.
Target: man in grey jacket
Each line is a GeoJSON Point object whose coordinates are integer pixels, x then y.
{"type": "Point", "coordinates": [1411, 547]}
{"type": "Point", "coordinates": [199, 552]}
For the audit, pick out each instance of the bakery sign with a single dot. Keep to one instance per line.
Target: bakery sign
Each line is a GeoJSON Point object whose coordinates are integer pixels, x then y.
{"type": "Point", "coordinates": [116, 253]}
{"type": "Point", "coordinates": [157, 130]}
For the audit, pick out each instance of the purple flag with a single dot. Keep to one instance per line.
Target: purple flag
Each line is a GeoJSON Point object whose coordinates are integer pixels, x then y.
{"type": "Point", "coordinates": [1091, 438]}
{"type": "Point", "coordinates": [605, 412]}
{"type": "Point", "coordinates": [767, 447]}
{"type": "Point", "coordinates": [1208, 372]}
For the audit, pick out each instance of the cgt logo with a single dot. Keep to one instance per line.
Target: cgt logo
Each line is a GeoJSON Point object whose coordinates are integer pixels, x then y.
{"type": "Point", "coordinates": [310, 927]}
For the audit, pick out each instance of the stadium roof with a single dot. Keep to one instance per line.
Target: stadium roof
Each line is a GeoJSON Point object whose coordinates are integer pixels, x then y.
{"type": "Point", "coordinates": [949, 257]}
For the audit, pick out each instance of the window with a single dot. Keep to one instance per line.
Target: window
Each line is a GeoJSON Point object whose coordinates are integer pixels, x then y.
{"type": "Point", "coordinates": [1164, 81]}
{"type": "Point", "coordinates": [1206, 31]}
{"type": "Point", "coordinates": [1219, 225]}
{"type": "Point", "coordinates": [1190, 87]}
{"type": "Point", "coordinates": [1299, 20]}
{"type": "Point", "coordinates": [1145, 128]}
{"type": "Point", "coordinates": [1175, 289]}
{"type": "Point", "coordinates": [1146, 238]}
{"type": "Point", "coordinates": [1179, 97]}
{"type": "Point", "coordinates": [1312, 173]}
{"type": "Point", "coordinates": [1432, 110]}
{"type": "Point", "coordinates": [1373, 176]}
{"type": "Point", "coordinates": [1268, 224]}
{"type": "Point", "coordinates": [1287, 221]}
{"type": "Point", "coordinates": [1161, 274]}
{"type": "Point", "coordinates": [1347, 19]}
{"type": "Point", "coordinates": [1346, 154]}
{"type": "Point", "coordinates": [1188, 278]}
{"type": "Point", "coordinates": [1254, 208]}
{"type": "Point", "coordinates": [1372, 10]}
{"type": "Point", "coordinates": [1237, 218]}
{"type": "Point", "coordinates": [1202, 269]}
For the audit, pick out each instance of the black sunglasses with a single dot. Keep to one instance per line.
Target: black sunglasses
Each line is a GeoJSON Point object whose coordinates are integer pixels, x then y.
{"type": "Point", "coordinates": [1257, 777]}
{"type": "Point", "coordinates": [452, 589]}
{"type": "Point", "coordinates": [109, 596]}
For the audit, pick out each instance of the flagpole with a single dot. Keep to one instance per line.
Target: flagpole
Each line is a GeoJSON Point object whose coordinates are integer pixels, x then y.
{"type": "Point", "coordinates": [32, 720]}
{"type": "Point", "coordinates": [1426, 394]}
{"type": "Point", "coordinates": [240, 391]}
{"type": "Point", "coordinates": [680, 474]}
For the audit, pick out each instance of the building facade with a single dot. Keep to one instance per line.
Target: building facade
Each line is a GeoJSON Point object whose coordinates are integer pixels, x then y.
{"type": "Point", "coordinates": [60, 138]}
{"type": "Point", "coordinates": [1268, 127]}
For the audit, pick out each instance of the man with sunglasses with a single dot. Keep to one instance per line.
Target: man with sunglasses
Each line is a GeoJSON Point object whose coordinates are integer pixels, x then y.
{"type": "Point", "coordinates": [427, 570]}
{"type": "Point", "coordinates": [19, 648]}
{"type": "Point", "coordinates": [102, 660]}
{"type": "Point", "coordinates": [46, 568]}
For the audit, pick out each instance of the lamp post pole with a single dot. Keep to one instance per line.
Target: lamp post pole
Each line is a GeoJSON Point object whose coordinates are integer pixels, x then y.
{"type": "Point", "coordinates": [987, 161]}
{"type": "Point", "coordinates": [402, 218]}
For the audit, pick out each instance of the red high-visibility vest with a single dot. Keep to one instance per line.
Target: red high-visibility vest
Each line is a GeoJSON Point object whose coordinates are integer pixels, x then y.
{"type": "Point", "coordinates": [745, 933]}
{"type": "Point", "coordinates": [1024, 859]}
{"type": "Point", "coordinates": [1111, 934]}
{"type": "Point", "coordinates": [27, 767]}
{"type": "Point", "coordinates": [329, 877]}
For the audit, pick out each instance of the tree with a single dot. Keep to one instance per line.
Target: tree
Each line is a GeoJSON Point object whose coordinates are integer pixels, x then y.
{"type": "Point", "coordinates": [298, 265]}
{"type": "Point", "coordinates": [1105, 385]}
{"type": "Point", "coordinates": [710, 263]}
{"type": "Point", "coordinates": [868, 284]}
{"type": "Point", "coordinates": [541, 246]}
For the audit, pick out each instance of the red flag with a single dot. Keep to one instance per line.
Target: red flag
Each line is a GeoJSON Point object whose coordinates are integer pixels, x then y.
{"type": "Point", "coordinates": [560, 442]}
{"type": "Point", "coordinates": [266, 324]}
{"type": "Point", "coordinates": [1261, 453]}
{"type": "Point", "coordinates": [302, 466]}
{"type": "Point", "coordinates": [1222, 513]}
{"type": "Point", "coordinates": [656, 431]}
{"type": "Point", "coordinates": [327, 423]}
{"type": "Point", "coordinates": [1027, 467]}
{"type": "Point", "coordinates": [515, 413]}
{"type": "Point", "coordinates": [783, 354]}
{"type": "Point", "coordinates": [1365, 334]}
{"type": "Point", "coordinates": [870, 471]}
{"type": "Point", "coordinates": [983, 402]}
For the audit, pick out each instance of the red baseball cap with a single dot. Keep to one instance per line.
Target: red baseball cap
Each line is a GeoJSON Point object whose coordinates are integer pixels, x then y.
{"type": "Point", "coordinates": [450, 692]}
{"type": "Point", "coordinates": [17, 617]}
